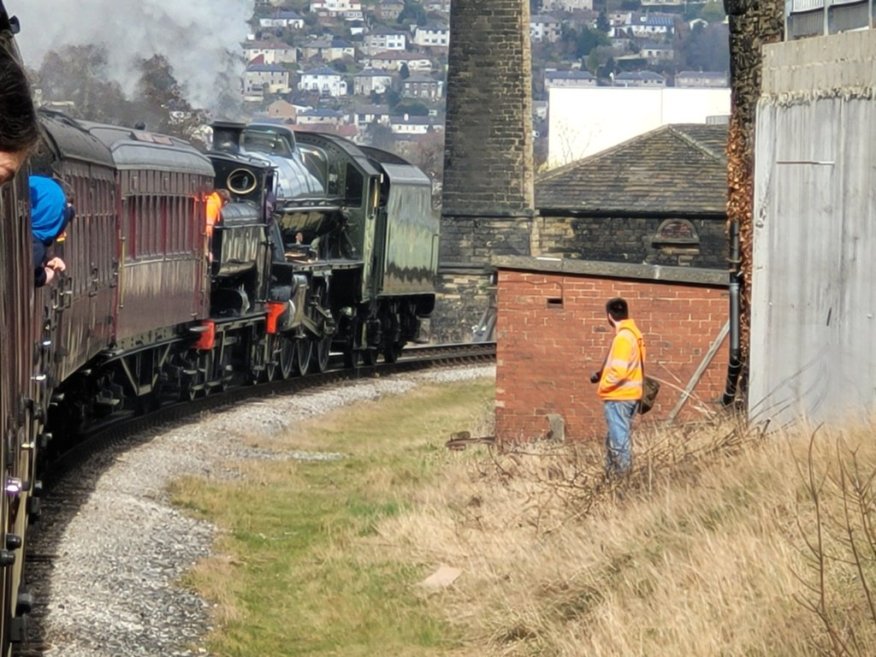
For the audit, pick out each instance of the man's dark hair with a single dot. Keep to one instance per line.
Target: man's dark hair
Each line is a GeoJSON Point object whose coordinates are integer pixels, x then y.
{"type": "Point", "coordinates": [617, 308]}
{"type": "Point", "coordinates": [19, 129]}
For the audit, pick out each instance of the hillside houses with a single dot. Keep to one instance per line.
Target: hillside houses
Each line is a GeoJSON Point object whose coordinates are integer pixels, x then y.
{"type": "Point", "coordinates": [376, 70]}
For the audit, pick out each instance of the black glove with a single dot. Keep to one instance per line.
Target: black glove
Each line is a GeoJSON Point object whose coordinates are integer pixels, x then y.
{"type": "Point", "coordinates": [594, 378]}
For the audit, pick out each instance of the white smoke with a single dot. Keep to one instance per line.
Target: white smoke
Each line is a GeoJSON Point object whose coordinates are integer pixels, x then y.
{"type": "Point", "coordinates": [194, 35]}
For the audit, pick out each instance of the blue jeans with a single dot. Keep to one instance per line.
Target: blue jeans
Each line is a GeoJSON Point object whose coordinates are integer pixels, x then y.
{"type": "Point", "coordinates": [618, 446]}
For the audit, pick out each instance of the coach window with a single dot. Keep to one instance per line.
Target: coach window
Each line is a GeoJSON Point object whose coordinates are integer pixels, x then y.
{"type": "Point", "coordinates": [129, 207]}
{"type": "Point", "coordinates": [155, 207]}
{"type": "Point", "coordinates": [177, 225]}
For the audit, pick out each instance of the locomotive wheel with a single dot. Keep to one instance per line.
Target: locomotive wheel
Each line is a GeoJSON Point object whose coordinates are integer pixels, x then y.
{"type": "Point", "coordinates": [191, 384]}
{"type": "Point", "coordinates": [188, 392]}
{"type": "Point", "coordinates": [392, 351]}
{"type": "Point", "coordinates": [205, 370]}
{"type": "Point", "coordinates": [304, 350]}
{"type": "Point", "coordinates": [323, 350]}
{"type": "Point", "coordinates": [225, 371]}
{"type": "Point", "coordinates": [351, 357]}
{"type": "Point", "coordinates": [287, 357]}
{"type": "Point", "coordinates": [270, 371]}
{"type": "Point", "coordinates": [369, 356]}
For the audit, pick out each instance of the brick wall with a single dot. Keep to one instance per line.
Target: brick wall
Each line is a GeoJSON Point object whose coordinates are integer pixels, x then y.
{"type": "Point", "coordinates": [552, 334]}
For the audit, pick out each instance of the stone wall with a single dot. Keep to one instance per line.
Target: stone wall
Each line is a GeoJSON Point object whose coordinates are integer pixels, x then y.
{"type": "Point", "coordinates": [488, 172]}
{"type": "Point", "coordinates": [488, 135]}
{"type": "Point", "coordinates": [650, 240]}
{"type": "Point", "coordinates": [552, 334]}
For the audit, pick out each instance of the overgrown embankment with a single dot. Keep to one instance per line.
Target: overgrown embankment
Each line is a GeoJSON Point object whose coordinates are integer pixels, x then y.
{"type": "Point", "coordinates": [723, 542]}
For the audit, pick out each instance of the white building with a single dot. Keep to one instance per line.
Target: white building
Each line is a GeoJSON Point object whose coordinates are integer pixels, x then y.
{"type": "Point", "coordinates": [282, 19]}
{"type": "Point", "coordinates": [320, 117]}
{"type": "Point", "coordinates": [567, 5]}
{"type": "Point", "coordinates": [384, 40]}
{"type": "Point", "coordinates": [413, 125]}
{"type": "Point", "coordinates": [576, 79]}
{"type": "Point", "coordinates": [272, 52]}
{"type": "Point", "coordinates": [258, 78]}
{"type": "Point", "coordinates": [325, 80]}
{"type": "Point", "coordinates": [346, 8]}
{"type": "Point", "coordinates": [370, 81]}
{"type": "Point", "coordinates": [543, 27]}
{"type": "Point", "coordinates": [587, 121]}
{"type": "Point", "coordinates": [430, 36]}
{"type": "Point", "coordinates": [701, 79]}
{"type": "Point", "coordinates": [669, 4]}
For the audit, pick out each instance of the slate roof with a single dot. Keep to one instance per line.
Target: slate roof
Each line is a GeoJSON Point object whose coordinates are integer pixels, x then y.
{"type": "Point", "coordinates": [675, 170]}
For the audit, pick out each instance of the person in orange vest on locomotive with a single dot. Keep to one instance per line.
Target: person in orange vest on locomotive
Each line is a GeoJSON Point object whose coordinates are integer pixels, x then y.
{"type": "Point", "coordinates": [215, 202]}
{"type": "Point", "coordinates": [50, 213]}
{"type": "Point", "coordinates": [620, 385]}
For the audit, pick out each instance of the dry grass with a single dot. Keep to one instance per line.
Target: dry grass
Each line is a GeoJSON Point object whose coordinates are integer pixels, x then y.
{"type": "Point", "coordinates": [711, 547]}
{"type": "Point", "coordinates": [723, 541]}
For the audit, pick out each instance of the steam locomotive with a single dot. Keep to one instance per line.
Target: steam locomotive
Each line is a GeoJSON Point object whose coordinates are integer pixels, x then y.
{"type": "Point", "coordinates": [325, 246]}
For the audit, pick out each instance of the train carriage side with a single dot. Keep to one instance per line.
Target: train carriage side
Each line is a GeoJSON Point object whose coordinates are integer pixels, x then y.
{"type": "Point", "coordinates": [163, 284]}
{"type": "Point", "coordinates": [22, 386]}
{"type": "Point", "coordinates": [80, 304]}
{"type": "Point", "coordinates": [18, 395]}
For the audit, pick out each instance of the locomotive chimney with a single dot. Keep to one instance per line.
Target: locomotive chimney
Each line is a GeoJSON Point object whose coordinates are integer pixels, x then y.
{"type": "Point", "coordinates": [227, 136]}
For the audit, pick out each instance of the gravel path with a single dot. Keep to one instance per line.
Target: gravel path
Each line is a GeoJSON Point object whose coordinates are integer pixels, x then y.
{"type": "Point", "coordinates": [110, 588]}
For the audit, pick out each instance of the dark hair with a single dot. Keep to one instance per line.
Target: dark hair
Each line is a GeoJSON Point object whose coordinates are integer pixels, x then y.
{"type": "Point", "coordinates": [617, 308]}
{"type": "Point", "coordinates": [19, 129]}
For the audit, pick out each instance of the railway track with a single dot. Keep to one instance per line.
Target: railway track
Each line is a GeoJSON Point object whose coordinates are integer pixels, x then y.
{"type": "Point", "coordinates": [107, 444]}
{"type": "Point", "coordinates": [414, 358]}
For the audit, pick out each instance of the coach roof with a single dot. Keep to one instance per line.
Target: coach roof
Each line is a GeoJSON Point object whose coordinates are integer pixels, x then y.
{"type": "Point", "coordinates": [69, 140]}
{"type": "Point", "coordinates": [139, 149]}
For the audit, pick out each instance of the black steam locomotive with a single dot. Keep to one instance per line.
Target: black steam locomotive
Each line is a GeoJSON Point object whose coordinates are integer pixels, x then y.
{"type": "Point", "coordinates": [325, 246]}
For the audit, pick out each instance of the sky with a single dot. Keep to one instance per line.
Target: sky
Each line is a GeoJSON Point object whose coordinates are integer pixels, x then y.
{"type": "Point", "coordinates": [194, 35]}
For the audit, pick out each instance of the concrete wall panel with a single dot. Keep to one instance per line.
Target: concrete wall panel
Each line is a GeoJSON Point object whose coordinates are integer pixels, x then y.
{"type": "Point", "coordinates": [813, 297]}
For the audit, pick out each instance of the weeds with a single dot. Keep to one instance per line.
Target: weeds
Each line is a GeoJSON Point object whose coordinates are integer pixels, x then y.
{"type": "Point", "coordinates": [840, 549]}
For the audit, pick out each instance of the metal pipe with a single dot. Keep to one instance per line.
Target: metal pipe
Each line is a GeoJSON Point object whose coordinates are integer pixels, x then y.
{"type": "Point", "coordinates": [734, 367]}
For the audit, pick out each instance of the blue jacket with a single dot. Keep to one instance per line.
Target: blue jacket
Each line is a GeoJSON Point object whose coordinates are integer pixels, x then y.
{"type": "Point", "coordinates": [49, 215]}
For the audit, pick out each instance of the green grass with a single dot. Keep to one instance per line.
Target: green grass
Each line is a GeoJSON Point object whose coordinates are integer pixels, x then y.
{"type": "Point", "coordinates": [291, 580]}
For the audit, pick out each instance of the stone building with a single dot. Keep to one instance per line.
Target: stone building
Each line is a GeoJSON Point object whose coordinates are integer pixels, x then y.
{"type": "Point", "coordinates": [644, 220]}
{"type": "Point", "coordinates": [659, 199]}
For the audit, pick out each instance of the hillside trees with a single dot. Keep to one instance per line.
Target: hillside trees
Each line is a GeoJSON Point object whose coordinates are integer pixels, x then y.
{"type": "Point", "coordinates": [81, 76]}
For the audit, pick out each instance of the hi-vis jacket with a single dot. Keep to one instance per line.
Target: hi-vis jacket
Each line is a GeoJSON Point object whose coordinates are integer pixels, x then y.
{"type": "Point", "coordinates": [623, 373]}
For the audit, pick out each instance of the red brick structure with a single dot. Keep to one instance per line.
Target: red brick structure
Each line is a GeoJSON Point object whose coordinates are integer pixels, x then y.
{"type": "Point", "coordinates": [552, 334]}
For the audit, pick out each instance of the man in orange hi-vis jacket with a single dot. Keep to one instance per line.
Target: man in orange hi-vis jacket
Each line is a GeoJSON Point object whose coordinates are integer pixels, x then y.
{"type": "Point", "coordinates": [215, 202]}
{"type": "Point", "coordinates": [620, 385]}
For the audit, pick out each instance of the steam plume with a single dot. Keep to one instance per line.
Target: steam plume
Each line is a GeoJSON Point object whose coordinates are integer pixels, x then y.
{"type": "Point", "coordinates": [200, 38]}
